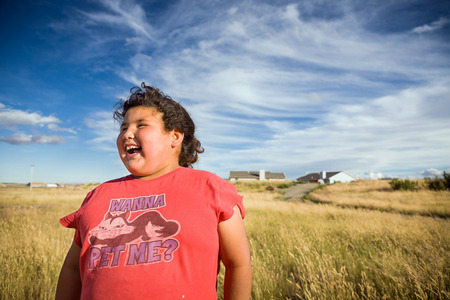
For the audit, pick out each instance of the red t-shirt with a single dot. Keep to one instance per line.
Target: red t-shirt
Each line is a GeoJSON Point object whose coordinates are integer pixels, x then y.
{"type": "Point", "coordinates": [153, 239]}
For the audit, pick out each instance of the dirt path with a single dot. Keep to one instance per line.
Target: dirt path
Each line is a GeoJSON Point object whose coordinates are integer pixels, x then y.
{"type": "Point", "coordinates": [298, 191]}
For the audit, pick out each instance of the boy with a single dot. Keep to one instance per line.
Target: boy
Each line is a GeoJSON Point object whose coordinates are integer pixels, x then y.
{"type": "Point", "coordinates": [157, 233]}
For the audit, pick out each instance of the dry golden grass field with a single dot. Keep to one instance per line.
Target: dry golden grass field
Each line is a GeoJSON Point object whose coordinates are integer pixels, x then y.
{"type": "Point", "coordinates": [345, 241]}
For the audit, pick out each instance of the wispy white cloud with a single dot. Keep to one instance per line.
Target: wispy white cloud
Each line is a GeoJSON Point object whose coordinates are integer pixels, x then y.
{"type": "Point", "coordinates": [21, 139]}
{"type": "Point", "coordinates": [10, 118]}
{"type": "Point", "coordinates": [432, 172]}
{"type": "Point", "coordinates": [103, 131]}
{"type": "Point", "coordinates": [252, 62]}
{"type": "Point", "coordinates": [122, 16]}
{"type": "Point", "coordinates": [436, 25]}
{"type": "Point", "coordinates": [55, 127]}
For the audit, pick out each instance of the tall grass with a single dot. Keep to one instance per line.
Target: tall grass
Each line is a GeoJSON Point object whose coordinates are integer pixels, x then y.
{"type": "Point", "coordinates": [262, 186]}
{"type": "Point", "coordinates": [303, 251]}
{"type": "Point", "coordinates": [33, 244]}
{"type": "Point", "coordinates": [299, 250]}
{"type": "Point", "coordinates": [378, 195]}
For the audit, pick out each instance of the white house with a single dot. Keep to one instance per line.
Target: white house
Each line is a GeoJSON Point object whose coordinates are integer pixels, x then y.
{"type": "Point", "coordinates": [328, 177]}
{"type": "Point", "coordinates": [262, 175]}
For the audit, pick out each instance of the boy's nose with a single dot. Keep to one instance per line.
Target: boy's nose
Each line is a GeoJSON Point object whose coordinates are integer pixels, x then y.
{"type": "Point", "coordinates": [129, 134]}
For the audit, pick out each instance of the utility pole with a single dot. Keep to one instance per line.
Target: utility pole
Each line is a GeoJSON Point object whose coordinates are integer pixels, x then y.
{"type": "Point", "coordinates": [31, 178]}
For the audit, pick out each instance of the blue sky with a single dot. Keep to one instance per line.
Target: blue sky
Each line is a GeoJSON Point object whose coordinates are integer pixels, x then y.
{"type": "Point", "coordinates": [285, 86]}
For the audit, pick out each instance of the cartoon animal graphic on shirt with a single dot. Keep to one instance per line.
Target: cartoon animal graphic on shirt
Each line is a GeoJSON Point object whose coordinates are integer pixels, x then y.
{"type": "Point", "coordinates": [116, 230]}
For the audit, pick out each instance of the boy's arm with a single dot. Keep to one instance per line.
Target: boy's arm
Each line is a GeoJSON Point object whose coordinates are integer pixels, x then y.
{"type": "Point", "coordinates": [235, 254]}
{"type": "Point", "coordinates": [69, 282]}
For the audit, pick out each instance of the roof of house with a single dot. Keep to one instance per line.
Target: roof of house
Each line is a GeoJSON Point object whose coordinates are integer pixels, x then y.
{"type": "Point", "coordinates": [317, 176]}
{"type": "Point", "coordinates": [255, 175]}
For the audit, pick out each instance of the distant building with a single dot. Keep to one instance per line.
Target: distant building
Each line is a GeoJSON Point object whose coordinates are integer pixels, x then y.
{"type": "Point", "coordinates": [261, 175]}
{"type": "Point", "coordinates": [41, 184]}
{"type": "Point", "coordinates": [327, 177]}
{"type": "Point", "coordinates": [37, 184]}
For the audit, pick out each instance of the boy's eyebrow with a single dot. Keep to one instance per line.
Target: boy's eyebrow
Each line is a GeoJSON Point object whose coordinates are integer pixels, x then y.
{"type": "Point", "coordinates": [137, 121]}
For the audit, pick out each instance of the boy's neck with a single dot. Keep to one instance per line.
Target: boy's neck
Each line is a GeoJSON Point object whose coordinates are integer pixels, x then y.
{"type": "Point", "coordinates": [158, 173]}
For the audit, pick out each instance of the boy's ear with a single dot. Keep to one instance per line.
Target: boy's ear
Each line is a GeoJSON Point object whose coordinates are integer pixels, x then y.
{"type": "Point", "coordinates": [177, 137]}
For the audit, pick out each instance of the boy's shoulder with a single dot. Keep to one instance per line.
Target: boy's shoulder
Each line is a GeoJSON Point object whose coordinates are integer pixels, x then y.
{"type": "Point", "coordinates": [202, 174]}
{"type": "Point", "coordinates": [121, 179]}
{"type": "Point", "coordinates": [111, 182]}
{"type": "Point", "coordinates": [205, 177]}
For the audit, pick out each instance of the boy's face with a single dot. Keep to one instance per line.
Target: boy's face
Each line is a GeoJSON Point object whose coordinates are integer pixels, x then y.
{"type": "Point", "coordinates": [145, 148]}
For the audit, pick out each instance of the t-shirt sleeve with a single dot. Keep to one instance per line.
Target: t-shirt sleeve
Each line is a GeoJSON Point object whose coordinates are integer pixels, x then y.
{"type": "Point", "coordinates": [70, 221]}
{"type": "Point", "coordinates": [227, 198]}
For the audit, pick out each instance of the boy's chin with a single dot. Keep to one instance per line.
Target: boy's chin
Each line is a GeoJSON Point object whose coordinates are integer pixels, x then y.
{"type": "Point", "coordinates": [136, 172]}
{"type": "Point", "coordinates": [133, 171]}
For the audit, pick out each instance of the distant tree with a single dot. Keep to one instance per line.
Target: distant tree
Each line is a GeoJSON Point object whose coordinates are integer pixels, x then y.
{"type": "Point", "coordinates": [439, 184]}
{"type": "Point", "coordinates": [447, 180]}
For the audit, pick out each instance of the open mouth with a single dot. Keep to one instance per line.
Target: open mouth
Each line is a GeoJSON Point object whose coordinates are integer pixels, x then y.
{"type": "Point", "coordinates": [133, 149]}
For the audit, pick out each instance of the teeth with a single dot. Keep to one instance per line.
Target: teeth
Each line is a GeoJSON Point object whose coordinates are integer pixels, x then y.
{"type": "Point", "coordinates": [128, 148]}
{"type": "Point", "coordinates": [131, 149]}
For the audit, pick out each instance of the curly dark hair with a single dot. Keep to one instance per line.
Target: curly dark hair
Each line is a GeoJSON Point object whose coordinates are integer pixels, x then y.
{"type": "Point", "coordinates": [174, 117]}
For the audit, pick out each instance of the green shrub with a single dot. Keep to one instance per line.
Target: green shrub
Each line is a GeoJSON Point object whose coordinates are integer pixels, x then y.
{"type": "Point", "coordinates": [285, 185]}
{"type": "Point", "coordinates": [439, 184]}
{"type": "Point", "coordinates": [270, 188]}
{"type": "Point", "coordinates": [435, 184]}
{"type": "Point", "coordinates": [405, 185]}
